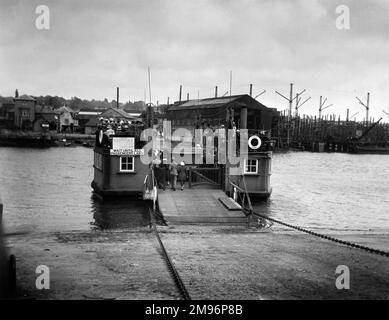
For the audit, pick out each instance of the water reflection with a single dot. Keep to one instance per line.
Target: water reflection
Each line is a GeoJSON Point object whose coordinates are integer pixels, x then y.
{"type": "Point", "coordinates": [119, 213]}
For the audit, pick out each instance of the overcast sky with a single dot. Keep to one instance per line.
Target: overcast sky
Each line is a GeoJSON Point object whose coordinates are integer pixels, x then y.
{"type": "Point", "coordinates": [94, 46]}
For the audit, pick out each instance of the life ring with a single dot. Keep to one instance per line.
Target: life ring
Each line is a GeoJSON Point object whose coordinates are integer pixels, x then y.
{"type": "Point", "coordinates": [258, 145]}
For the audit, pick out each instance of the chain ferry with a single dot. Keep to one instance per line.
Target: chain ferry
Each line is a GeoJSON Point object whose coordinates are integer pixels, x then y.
{"type": "Point", "coordinates": [124, 154]}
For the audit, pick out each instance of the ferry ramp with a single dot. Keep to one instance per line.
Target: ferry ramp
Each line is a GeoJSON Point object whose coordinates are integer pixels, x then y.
{"type": "Point", "coordinates": [199, 206]}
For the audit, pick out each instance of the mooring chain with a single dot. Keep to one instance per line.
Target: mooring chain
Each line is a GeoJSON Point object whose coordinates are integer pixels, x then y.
{"type": "Point", "coordinates": [347, 243]}
{"type": "Point", "coordinates": [176, 277]}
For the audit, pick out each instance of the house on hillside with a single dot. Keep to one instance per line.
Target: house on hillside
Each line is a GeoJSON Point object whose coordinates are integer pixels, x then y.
{"type": "Point", "coordinates": [46, 118]}
{"type": "Point", "coordinates": [67, 119]}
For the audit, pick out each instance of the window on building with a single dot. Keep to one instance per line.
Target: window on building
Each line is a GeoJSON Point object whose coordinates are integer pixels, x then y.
{"type": "Point", "coordinates": [251, 166]}
{"type": "Point", "coordinates": [25, 114]}
{"type": "Point", "coordinates": [126, 164]}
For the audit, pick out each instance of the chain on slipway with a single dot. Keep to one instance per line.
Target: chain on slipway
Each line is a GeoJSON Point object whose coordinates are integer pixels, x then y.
{"type": "Point", "coordinates": [347, 243]}
{"type": "Point", "coordinates": [172, 269]}
{"type": "Point", "coordinates": [319, 235]}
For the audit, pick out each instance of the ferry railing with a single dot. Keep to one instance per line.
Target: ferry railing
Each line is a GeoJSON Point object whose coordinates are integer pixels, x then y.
{"type": "Point", "coordinates": [241, 193]}
{"type": "Point", "coordinates": [204, 175]}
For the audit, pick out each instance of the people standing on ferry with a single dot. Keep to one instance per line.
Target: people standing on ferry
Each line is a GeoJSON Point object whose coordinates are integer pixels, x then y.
{"type": "Point", "coordinates": [159, 173]}
{"type": "Point", "coordinates": [182, 174]}
{"type": "Point", "coordinates": [110, 131]}
{"type": "Point", "coordinates": [173, 174]}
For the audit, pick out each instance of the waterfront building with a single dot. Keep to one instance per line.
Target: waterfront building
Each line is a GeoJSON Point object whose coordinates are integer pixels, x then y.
{"type": "Point", "coordinates": [24, 113]}
{"type": "Point", "coordinates": [67, 119]}
{"type": "Point", "coordinates": [83, 117]}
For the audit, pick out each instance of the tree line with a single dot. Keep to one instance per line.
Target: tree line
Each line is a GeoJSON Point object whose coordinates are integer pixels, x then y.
{"type": "Point", "coordinates": [77, 104]}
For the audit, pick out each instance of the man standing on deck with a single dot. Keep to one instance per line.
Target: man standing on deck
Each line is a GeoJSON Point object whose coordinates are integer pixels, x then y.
{"type": "Point", "coordinates": [173, 174]}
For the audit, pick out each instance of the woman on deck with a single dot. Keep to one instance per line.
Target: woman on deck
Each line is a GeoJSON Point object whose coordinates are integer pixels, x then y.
{"type": "Point", "coordinates": [173, 174]}
{"type": "Point", "coordinates": [182, 174]}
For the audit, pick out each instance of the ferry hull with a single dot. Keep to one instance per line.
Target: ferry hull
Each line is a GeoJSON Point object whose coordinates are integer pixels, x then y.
{"type": "Point", "coordinates": [112, 194]}
{"type": "Point", "coordinates": [260, 195]}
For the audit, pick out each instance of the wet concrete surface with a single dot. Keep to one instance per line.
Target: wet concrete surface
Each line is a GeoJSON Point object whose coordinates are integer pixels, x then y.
{"type": "Point", "coordinates": [214, 262]}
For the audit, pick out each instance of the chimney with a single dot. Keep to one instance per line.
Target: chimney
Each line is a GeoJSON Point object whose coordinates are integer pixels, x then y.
{"type": "Point", "coordinates": [216, 92]}
{"type": "Point", "coordinates": [179, 97]}
{"type": "Point", "coordinates": [251, 90]}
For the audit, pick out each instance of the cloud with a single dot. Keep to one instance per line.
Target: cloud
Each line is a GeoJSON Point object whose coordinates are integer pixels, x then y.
{"type": "Point", "coordinates": [93, 46]}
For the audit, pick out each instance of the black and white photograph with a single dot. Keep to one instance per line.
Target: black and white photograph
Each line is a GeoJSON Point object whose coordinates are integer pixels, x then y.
{"type": "Point", "coordinates": [217, 151]}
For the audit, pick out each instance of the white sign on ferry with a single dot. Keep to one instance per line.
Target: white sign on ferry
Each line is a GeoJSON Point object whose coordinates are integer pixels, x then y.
{"type": "Point", "coordinates": [123, 143]}
{"type": "Point", "coordinates": [125, 146]}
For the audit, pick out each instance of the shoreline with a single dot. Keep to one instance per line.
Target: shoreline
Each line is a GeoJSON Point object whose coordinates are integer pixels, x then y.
{"type": "Point", "coordinates": [215, 262]}
{"type": "Point", "coordinates": [42, 139]}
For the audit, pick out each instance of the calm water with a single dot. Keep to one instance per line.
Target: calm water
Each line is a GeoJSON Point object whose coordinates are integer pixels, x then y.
{"type": "Point", "coordinates": [50, 190]}
{"type": "Point", "coordinates": [330, 191]}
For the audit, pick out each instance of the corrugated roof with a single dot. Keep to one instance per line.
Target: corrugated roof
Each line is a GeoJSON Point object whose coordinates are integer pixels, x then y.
{"type": "Point", "coordinates": [210, 101]}
{"type": "Point", "coordinates": [89, 113]}
{"type": "Point", "coordinates": [237, 100]}
{"type": "Point", "coordinates": [120, 113]}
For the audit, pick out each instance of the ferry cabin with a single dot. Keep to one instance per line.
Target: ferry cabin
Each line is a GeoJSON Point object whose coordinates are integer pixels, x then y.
{"type": "Point", "coordinates": [118, 170]}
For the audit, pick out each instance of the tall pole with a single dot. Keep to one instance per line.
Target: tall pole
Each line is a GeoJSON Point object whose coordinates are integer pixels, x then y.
{"type": "Point", "coordinates": [367, 108]}
{"type": "Point", "coordinates": [320, 105]}
{"type": "Point", "coordinates": [290, 114]}
{"type": "Point", "coordinates": [297, 105]}
{"type": "Point", "coordinates": [149, 86]}
{"type": "Point", "coordinates": [290, 100]}
{"type": "Point", "coordinates": [230, 83]}
{"type": "Point", "coordinates": [117, 97]}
